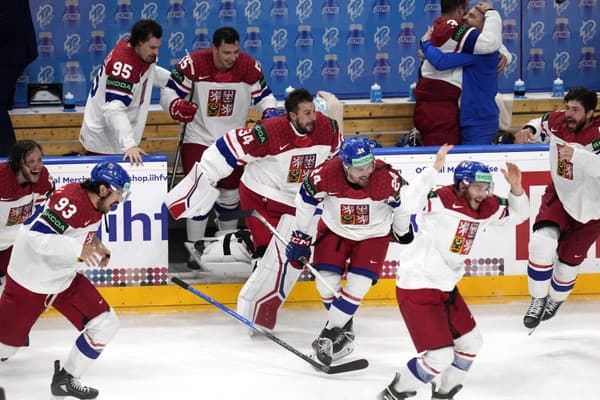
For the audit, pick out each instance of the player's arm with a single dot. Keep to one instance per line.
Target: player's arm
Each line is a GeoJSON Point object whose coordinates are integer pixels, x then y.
{"type": "Point", "coordinates": [489, 39]}
{"type": "Point", "coordinates": [533, 132]}
{"type": "Point", "coordinates": [263, 99]}
{"type": "Point", "coordinates": [443, 61]}
{"type": "Point", "coordinates": [307, 199]}
{"type": "Point", "coordinates": [175, 95]}
{"type": "Point", "coordinates": [161, 77]}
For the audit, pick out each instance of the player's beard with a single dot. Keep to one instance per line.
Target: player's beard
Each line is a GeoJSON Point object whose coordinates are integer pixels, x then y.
{"type": "Point", "coordinates": [575, 126]}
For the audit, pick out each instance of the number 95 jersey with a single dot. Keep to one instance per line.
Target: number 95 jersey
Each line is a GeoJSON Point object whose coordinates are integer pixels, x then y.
{"type": "Point", "coordinates": [45, 253]}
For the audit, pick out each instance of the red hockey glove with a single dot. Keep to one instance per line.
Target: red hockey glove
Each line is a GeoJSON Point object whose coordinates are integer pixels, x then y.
{"type": "Point", "coordinates": [183, 111]}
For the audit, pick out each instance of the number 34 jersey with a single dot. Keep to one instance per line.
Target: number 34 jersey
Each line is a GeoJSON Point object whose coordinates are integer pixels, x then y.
{"type": "Point", "coordinates": [45, 253]}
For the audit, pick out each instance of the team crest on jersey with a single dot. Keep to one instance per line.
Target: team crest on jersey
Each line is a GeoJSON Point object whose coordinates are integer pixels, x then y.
{"type": "Point", "coordinates": [220, 102]}
{"type": "Point", "coordinates": [564, 168]}
{"type": "Point", "coordinates": [464, 237]}
{"type": "Point", "coordinates": [354, 214]}
{"type": "Point", "coordinates": [18, 215]}
{"type": "Point", "coordinates": [300, 167]}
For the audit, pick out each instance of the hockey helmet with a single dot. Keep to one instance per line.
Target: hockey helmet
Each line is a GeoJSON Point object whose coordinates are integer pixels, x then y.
{"type": "Point", "coordinates": [356, 152]}
{"type": "Point", "coordinates": [113, 175]}
{"type": "Point", "coordinates": [473, 171]}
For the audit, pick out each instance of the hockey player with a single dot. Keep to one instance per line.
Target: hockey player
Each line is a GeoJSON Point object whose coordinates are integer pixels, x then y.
{"type": "Point", "coordinates": [227, 82]}
{"type": "Point", "coordinates": [277, 154]}
{"type": "Point", "coordinates": [359, 195]}
{"type": "Point", "coordinates": [43, 272]}
{"type": "Point", "coordinates": [568, 221]}
{"type": "Point", "coordinates": [117, 106]}
{"type": "Point", "coordinates": [24, 186]}
{"type": "Point", "coordinates": [438, 92]}
{"type": "Point", "coordinates": [440, 324]}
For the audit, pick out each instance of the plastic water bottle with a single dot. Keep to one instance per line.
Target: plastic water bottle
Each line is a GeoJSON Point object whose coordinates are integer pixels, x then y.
{"type": "Point", "coordinates": [382, 10]}
{"type": "Point", "coordinates": [519, 89]}
{"type": "Point", "coordinates": [561, 31]}
{"type": "Point", "coordinates": [69, 102]}
{"type": "Point", "coordinates": [201, 40]}
{"type": "Point", "coordinates": [356, 38]}
{"type": "Point", "coordinates": [536, 63]}
{"type": "Point", "coordinates": [382, 70]}
{"type": "Point", "coordinates": [407, 36]}
{"type": "Point", "coordinates": [72, 16]}
{"type": "Point", "coordinates": [330, 11]}
{"type": "Point", "coordinates": [304, 40]}
{"type": "Point", "coordinates": [331, 69]}
{"type": "Point", "coordinates": [74, 82]}
{"type": "Point", "coordinates": [587, 61]}
{"type": "Point", "coordinates": [176, 15]}
{"type": "Point", "coordinates": [558, 88]}
{"type": "Point", "coordinates": [124, 15]}
{"type": "Point", "coordinates": [510, 33]}
{"type": "Point", "coordinates": [411, 91]}
{"type": "Point", "coordinates": [279, 10]}
{"type": "Point", "coordinates": [97, 47]}
{"type": "Point", "coordinates": [46, 47]}
{"type": "Point", "coordinates": [432, 9]}
{"type": "Point", "coordinates": [253, 41]}
{"type": "Point", "coordinates": [279, 70]}
{"type": "Point", "coordinates": [227, 12]}
{"type": "Point", "coordinates": [375, 93]}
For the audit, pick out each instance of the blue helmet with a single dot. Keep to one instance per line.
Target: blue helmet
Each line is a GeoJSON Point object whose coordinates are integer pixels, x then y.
{"type": "Point", "coordinates": [113, 174]}
{"type": "Point", "coordinates": [356, 152]}
{"type": "Point", "coordinates": [472, 171]}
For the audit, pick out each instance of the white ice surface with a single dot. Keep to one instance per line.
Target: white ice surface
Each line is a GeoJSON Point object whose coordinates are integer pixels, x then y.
{"type": "Point", "coordinates": [209, 355]}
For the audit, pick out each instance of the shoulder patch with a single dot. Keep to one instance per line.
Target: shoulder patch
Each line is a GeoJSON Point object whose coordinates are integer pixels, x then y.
{"type": "Point", "coordinates": [260, 133]}
{"type": "Point", "coordinates": [596, 144]}
{"type": "Point", "coordinates": [118, 84]}
{"type": "Point", "coordinates": [55, 221]}
{"type": "Point", "coordinates": [432, 194]}
{"type": "Point", "coordinates": [309, 187]}
{"type": "Point", "coordinates": [545, 117]}
{"type": "Point", "coordinates": [502, 201]}
{"type": "Point", "coordinates": [460, 32]}
{"type": "Point", "coordinates": [177, 75]}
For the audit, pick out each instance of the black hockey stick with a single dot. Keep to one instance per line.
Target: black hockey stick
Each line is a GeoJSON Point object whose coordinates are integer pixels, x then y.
{"type": "Point", "coordinates": [328, 369]}
{"type": "Point", "coordinates": [253, 213]}
{"type": "Point", "coordinates": [183, 129]}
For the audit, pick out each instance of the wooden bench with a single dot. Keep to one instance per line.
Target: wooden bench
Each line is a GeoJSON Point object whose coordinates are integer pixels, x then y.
{"type": "Point", "coordinates": [58, 132]}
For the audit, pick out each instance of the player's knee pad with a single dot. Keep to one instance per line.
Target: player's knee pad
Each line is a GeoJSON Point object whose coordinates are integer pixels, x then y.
{"type": "Point", "coordinates": [229, 199]}
{"type": "Point", "coordinates": [543, 244]}
{"type": "Point", "coordinates": [436, 361]}
{"type": "Point", "coordinates": [466, 349]}
{"type": "Point", "coordinates": [7, 351]}
{"type": "Point", "coordinates": [104, 327]}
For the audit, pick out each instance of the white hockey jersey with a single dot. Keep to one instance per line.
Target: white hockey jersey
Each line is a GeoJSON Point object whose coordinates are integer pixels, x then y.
{"type": "Point", "coordinates": [447, 232]}
{"type": "Point", "coordinates": [18, 203]}
{"type": "Point", "coordinates": [45, 253]}
{"type": "Point", "coordinates": [224, 98]}
{"type": "Point", "coordinates": [117, 106]}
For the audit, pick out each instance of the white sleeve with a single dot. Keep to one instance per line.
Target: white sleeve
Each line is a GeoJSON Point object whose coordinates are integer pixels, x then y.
{"type": "Point", "coordinates": [214, 164]}
{"type": "Point", "coordinates": [115, 115]}
{"type": "Point", "coordinates": [518, 208]}
{"type": "Point", "coordinates": [506, 53]}
{"type": "Point", "coordinates": [268, 102]}
{"type": "Point", "coordinates": [304, 214]}
{"type": "Point", "coordinates": [161, 77]}
{"type": "Point", "coordinates": [490, 37]}
{"type": "Point", "coordinates": [413, 198]}
{"type": "Point", "coordinates": [60, 248]}
{"type": "Point", "coordinates": [167, 95]}
{"type": "Point", "coordinates": [536, 124]}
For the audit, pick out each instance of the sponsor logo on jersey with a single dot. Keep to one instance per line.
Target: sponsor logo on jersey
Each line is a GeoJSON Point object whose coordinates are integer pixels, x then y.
{"type": "Point", "coordinates": [177, 76]}
{"type": "Point", "coordinates": [460, 31]}
{"type": "Point", "coordinates": [220, 102]}
{"type": "Point", "coordinates": [55, 221]}
{"type": "Point", "coordinates": [260, 133]}
{"type": "Point", "coordinates": [18, 215]}
{"type": "Point", "coordinates": [354, 214]}
{"type": "Point", "coordinates": [118, 84]}
{"type": "Point", "coordinates": [309, 188]}
{"type": "Point", "coordinates": [596, 144]}
{"type": "Point", "coordinates": [300, 167]}
{"type": "Point", "coordinates": [464, 237]}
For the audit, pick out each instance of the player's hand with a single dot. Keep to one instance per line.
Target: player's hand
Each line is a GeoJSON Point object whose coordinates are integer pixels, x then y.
{"type": "Point", "coordinates": [524, 136]}
{"type": "Point", "coordinates": [440, 157]}
{"type": "Point", "coordinates": [134, 155]}
{"type": "Point", "coordinates": [566, 153]}
{"type": "Point", "coordinates": [94, 253]}
{"type": "Point", "coordinates": [483, 7]}
{"type": "Point", "coordinates": [298, 249]}
{"type": "Point", "coordinates": [513, 176]}
{"type": "Point", "coordinates": [427, 35]}
{"type": "Point", "coordinates": [183, 111]}
{"type": "Point", "coordinates": [502, 61]}
{"type": "Point", "coordinates": [273, 112]}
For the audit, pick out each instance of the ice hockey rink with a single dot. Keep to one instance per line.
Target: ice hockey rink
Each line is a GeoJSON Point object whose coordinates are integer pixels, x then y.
{"type": "Point", "coordinates": [206, 354]}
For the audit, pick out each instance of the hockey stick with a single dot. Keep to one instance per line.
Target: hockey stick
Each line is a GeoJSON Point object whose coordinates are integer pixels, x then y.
{"type": "Point", "coordinates": [183, 129]}
{"type": "Point", "coordinates": [328, 369]}
{"type": "Point", "coordinates": [256, 214]}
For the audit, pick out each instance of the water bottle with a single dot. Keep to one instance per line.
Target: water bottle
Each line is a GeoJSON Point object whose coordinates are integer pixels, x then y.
{"type": "Point", "coordinates": [124, 16]}
{"type": "Point", "coordinates": [69, 102]}
{"type": "Point", "coordinates": [227, 13]}
{"type": "Point", "coordinates": [558, 88]}
{"type": "Point", "coordinates": [561, 31]}
{"type": "Point", "coordinates": [330, 11]}
{"type": "Point", "coordinates": [72, 16]}
{"type": "Point", "coordinates": [253, 41]}
{"type": "Point", "coordinates": [176, 15]}
{"type": "Point", "coordinates": [588, 65]}
{"type": "Point", "coordinates": [46, 47]}
{"type": "Point", "coordinates": [356, 38]}
{"type": "Point", "coordinates": [519, 89]}
{"type": "Point", "coordinates": [382, 10]}
{"type": "Point", "coordinates": [304, 40]}
{"type": "Point", "coordinates": [74, 82]}
{"type": "Point", "coordinates": [201, 39]}
{"type": "Point", "coordinates": [536, 63]}
{"type": "Point", "coordinates": [331, 69]}
{"type": "Point", "coordinates": [407, 36]}
{"type": "Point", "coordinates": [97, 47]}
{"type": "Point", "coordinates": [382, 70]}
{"type": "Point", "coordinates": [411, 91]}
{"type": "Point", "coordinates": [20, 99]}
{"type": "Point", "coordinates": [279, 11]}
{"type": "Point", "coordinates": [510, 33]}
{"type": "Point", "coordinates": [279, 70]}
{"type": "Point", "coordinates": [432, 9]}
{"type": "Point", "coordinates": [375, 93]}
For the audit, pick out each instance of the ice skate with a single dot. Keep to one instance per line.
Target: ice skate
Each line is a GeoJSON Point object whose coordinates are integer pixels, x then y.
{"type": "Point", "coordinates": [551, 308]}
{"type": "Point", "coordinates": [65, 386]}
{"type": "Point", "coordinates": [534, 313]}
{"type": "Point", "coordinates": [343, 344]}
{"type": "Point", "coordinates": [195, 249]}
{"type": "Point", "coordinates": [323, 345]}
{"type": "Point", "coordinates": [435, 395]}
{"type": "Point", "coordinates": [389, 393]}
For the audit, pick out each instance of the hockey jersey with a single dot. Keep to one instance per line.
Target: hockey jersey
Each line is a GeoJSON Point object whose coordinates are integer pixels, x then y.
{"type": "Point", "coordinates": [18, 203]}
{"type": "Point", "coordinates": [576, 181]}
{"type": "Point", "coordinates": [224, 98]}
{"type": "Point", "coordinates": [117, 106]}
{"type": "Point", "coordinates": [45, 253]}
{"type": "Point", "coordinates": [447, 233]}
{"type": "Point", "coordinates": [276, 157]}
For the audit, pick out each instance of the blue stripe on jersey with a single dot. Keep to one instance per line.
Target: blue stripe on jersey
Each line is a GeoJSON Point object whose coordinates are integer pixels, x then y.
{"type": "Point", "coordinates": [469, 44]}
{"type": "Point", "coordinates": [84, 347]}
{"type": "Point", "coordinates": [539, 275]}
{"type": "Point", "coordinates": [264, 93]}
{"type": "Point", "coordinates": [171, 84]}
{"type": "Point", "coordinates": [226, 153]}
{"type": "Point", "coordinates": [307, 198]}
{"type": "Point", "coordinates": [125, 99]}
{"type": "Point", "coordinates": [42, 228]}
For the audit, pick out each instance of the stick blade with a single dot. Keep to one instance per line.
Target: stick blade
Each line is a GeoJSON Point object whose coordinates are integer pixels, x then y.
{"type": "Point", "coordinates": [350, 366]}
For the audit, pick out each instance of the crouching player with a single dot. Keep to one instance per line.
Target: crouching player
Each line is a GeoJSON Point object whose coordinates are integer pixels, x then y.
{"type": "Point", "coordinates": [440, 324]}
{"type": "Point", "coordinates": [43, 272]}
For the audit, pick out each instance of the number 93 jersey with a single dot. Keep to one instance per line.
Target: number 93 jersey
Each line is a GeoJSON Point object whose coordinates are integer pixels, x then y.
{"type": "Point", "coordinates": [45, 253]}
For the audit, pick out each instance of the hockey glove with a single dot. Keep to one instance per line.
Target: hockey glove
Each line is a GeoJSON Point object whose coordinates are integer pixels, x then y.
{"type": "Point", "coordinates": [183, 111]}
{"type": "Point", "coordinates": [298, 249]}
{"type": "Point", "coordinates": [272, 112]}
